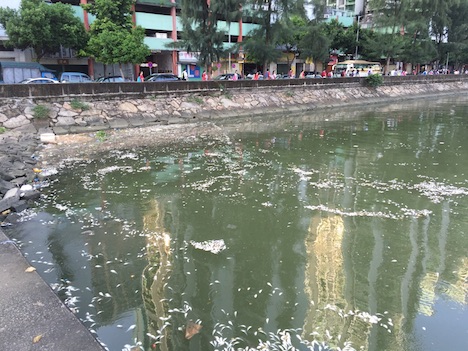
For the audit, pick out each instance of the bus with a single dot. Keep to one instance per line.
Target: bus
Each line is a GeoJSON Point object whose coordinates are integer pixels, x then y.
{"type": "Point", "coordinates": [356, 68]}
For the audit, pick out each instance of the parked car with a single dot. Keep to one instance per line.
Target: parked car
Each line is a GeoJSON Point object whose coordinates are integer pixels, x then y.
{"type": "Point", "coordinates": [226, 76]}
{"type": "Point", "coordinates": [159, 77]}
{"type": "Point", "coordinates": [112, 79]}
{"type": "Point", "coordinates": [38, 81]}
{"type": "Point", "coordinates": [283, 76]}
{"type": "Point", "coordinates": [251, 76]}
{"type": "Point", "coordinates": [312, 75]}
{"type": "Point", "coordinates": [75, 77]}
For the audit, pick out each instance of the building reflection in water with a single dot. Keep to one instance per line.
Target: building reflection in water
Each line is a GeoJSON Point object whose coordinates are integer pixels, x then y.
{"type": "Point", "coordinates": [156, 274]}
{"type": "Point", "coordinates": [325, 286]}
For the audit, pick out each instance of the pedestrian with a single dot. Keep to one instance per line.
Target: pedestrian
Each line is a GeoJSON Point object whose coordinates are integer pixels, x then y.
{"type": "Point", "coordinates": [302, 75]}
{"type": "Point", "coordinates": [273, 75]}
{"type": "Point", "coordinates": [256, 76]}
{"type": "Point", "coordinates": [204, 76]}
{"type": "Point", "coordinates": [184, 75]}
{"type": "Point", "coordinates": [291, 73]}
{"type": "Point", "coordinates": [267, 74]}
{"type": "Point", "coordinates": [141, 77]}
{"type": "Point", "coordinates": [235, 76]}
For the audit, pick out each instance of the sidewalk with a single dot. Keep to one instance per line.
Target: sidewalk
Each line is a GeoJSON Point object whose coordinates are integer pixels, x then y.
{"type": "Point", "coordinates": [31, 316]}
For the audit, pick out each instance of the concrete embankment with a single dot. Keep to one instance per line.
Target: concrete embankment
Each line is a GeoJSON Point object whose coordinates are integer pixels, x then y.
{"type": "Point", "coordinates": [93, 108]}
{"type": "Point", "coordinates": [32, 317]}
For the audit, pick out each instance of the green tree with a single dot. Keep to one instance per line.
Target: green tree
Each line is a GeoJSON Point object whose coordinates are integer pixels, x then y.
{"type": "Point", "coordinates": [391, 18]}
{"type": "Point", "coordinates": [113, 37]}
{"type": "Point", "coordinates": [419, 47]}
{"type": "Point", "coordinates": [263, 44]}
{"type": "Point", "coordinates": [201, 34]}
{"type": "Point", "coordinates": [458, 35]}
{"type": "Point", "coordinates": [315, 44]}
{"type": "Point", "coordinates": [290, 31]}
{"type": "Point", "coordinates": [437, 13]}
{"type": "Point", "coordinates": [341, 39]}
{"type": "Point", "coordinates": [44, 28]}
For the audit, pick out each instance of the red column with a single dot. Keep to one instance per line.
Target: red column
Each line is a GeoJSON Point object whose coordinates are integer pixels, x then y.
{"type": "Point", "coordinates": [239, 38]}
{"type": "Point", "coordinates": [85, 15]}
{"type": "Point", "coordinates": [174, 36]}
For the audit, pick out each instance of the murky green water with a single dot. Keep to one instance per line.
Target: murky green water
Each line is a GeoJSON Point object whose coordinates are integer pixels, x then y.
{"type": "Point", "coordinates": [344, 234]}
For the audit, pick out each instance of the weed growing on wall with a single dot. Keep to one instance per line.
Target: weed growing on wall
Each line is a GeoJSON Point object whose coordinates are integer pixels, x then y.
{"type": "Point", "coordinates": [79, 105]}
{"type": "Point", "coordinates": [40, 112]}
{"type": "Point", "coordinates": [289, 94]}
{"type": "Point", "coordinates": [196, 99]}
{"type": "Point", "coordinates": [101, 135]}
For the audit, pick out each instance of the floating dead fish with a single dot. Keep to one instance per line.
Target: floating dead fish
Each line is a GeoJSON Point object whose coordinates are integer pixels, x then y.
{"type": "Point", "coordinates": [213, 246]}
{"type": "Point", "coordinates": [191, 329]}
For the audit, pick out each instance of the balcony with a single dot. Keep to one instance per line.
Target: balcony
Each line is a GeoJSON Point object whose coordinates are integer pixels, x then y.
{"type": "Point", "coordinates": [157, 44]}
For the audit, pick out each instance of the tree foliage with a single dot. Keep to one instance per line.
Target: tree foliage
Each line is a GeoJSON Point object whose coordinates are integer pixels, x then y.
{"type": "Point", "coordinates": [201, 34]}
{"type": "Point", "coordinates": [263, 44]}
{"type": "Point", "coordinates": [44, 28]}
{"type": "Point", "coordinates": [425, 26]}
{"type": "Point", "coordinates": [290, 31]}
{"type": "Point", "coordinates": [315, 44]}
{"type": "Point", "coordinates": [458, 34]}
{"type": "Point", "coordinates": [341, 39]}
{"type": "Point", "coordinates": [113, 37]}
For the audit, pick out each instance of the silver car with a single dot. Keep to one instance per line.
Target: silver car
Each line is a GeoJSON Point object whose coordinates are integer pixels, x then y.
{"type": "Point", "coordinates": [38, 81]}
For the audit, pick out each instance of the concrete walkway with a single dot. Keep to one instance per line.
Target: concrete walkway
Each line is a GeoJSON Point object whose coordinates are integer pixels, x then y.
{"type": "Point", "coordinates": [31, 316]}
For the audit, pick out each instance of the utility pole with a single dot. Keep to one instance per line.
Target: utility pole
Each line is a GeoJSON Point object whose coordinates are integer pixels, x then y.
{"type": "Point", "coordinates": [357, 38]}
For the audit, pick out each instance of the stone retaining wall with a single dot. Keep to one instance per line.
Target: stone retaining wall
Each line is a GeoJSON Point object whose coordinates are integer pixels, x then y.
{"type": "Point", "coordinates": [82, 113]}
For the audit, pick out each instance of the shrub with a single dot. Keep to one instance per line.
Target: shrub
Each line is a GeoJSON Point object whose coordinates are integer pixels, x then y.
{"type": "Point", "coordinates": [289, 94]}
{"type": "Point", "coordinates": [40, 112]}
{"type": "Point", "coordinates": [2, 130]}
{"type": "Point", "coordinates": [196, 99]}
{"type": "Point", "coordinates": [79, 105]}
{"type": "Point", "coordinates": [101, 135]}
{"type": "Point", "coordinates": [374, 80]}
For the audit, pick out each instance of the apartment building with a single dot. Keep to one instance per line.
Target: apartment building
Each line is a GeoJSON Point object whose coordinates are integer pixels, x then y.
{"type": "Point", "coordinates": [161, 21]}
{"type": "Point", "coordinates": [162, 24]}
{"type": "Point", "coordinates": [354, 6]}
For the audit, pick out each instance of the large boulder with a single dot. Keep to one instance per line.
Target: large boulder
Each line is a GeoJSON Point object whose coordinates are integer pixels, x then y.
{"type": "Point", "coordinates": [16, 122]}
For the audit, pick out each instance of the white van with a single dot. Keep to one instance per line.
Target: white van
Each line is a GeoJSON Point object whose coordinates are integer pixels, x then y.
{"type": "Point", "coordinates": [75, 77]}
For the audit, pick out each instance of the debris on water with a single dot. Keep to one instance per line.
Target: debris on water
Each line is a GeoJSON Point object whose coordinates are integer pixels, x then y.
{"type": "Point", "coordinates": [46, 172]}
{"type": "Point", "coordinates": [213, 246]}
{"type": "Point", "coordinates": [192, 329]}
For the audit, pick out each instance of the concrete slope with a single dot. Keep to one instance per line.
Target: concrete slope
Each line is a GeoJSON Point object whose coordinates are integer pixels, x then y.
{"type": "Point", "coordinates": [31, 316]}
